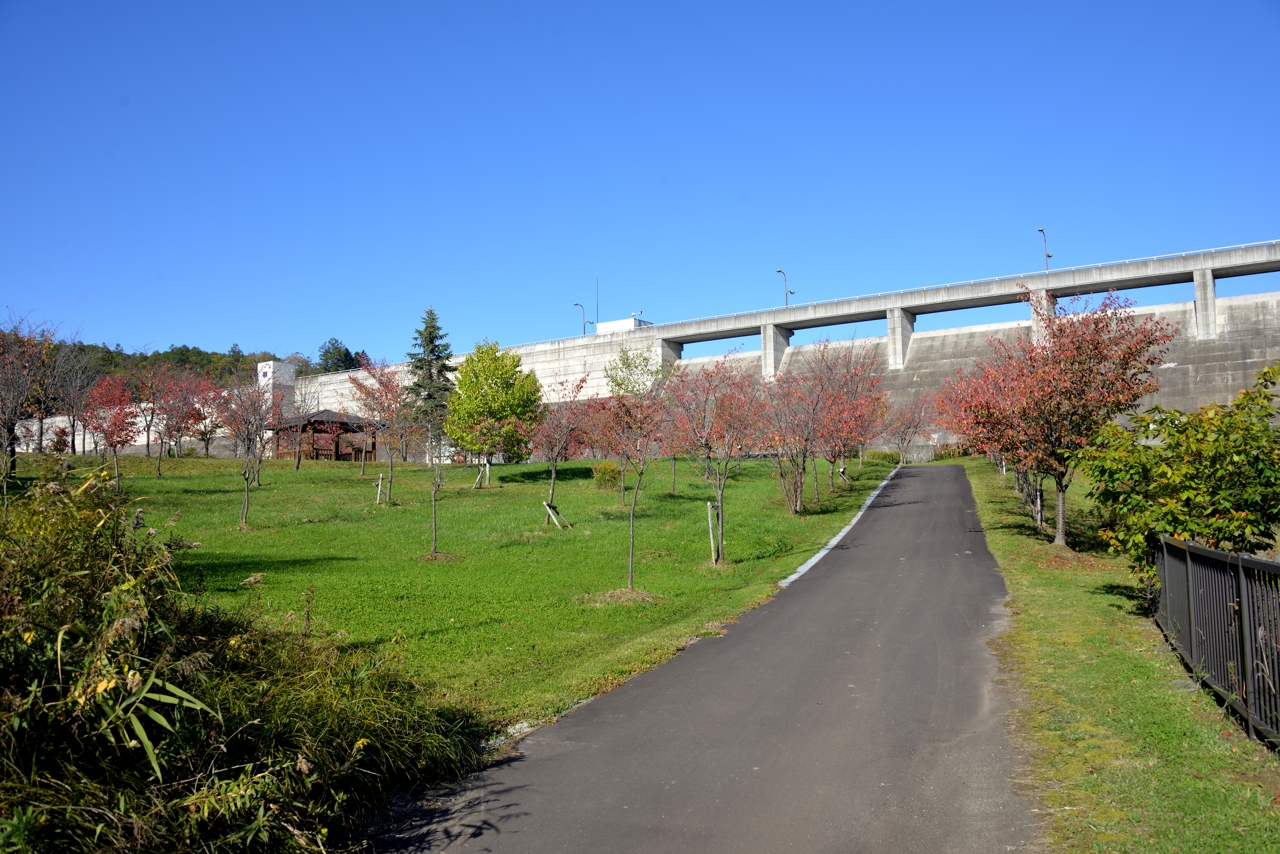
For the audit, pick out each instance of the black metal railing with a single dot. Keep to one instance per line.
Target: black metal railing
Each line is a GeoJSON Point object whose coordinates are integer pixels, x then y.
{"type": "Point", "coordinates": [1221, 612]}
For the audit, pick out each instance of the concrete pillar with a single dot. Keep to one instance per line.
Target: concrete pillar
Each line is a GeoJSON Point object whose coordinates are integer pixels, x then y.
{"type": "Point", "coordinates": [1042, 302]}
{"type": "Point", "coordinates": [668, 352]}
{"type": "Point", "coordinates": [774, 341]}
{"type": "Point", "coordinates": [902, 325]}
{"type": "Point", "coordinates": [1206, 305]}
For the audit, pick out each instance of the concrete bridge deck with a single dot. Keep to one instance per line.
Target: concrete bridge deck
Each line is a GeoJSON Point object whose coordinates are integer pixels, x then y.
{"type": "Point", "coordinates": [1221, 342]}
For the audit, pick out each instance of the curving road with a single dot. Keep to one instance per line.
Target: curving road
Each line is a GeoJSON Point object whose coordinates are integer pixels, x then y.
{"type": "Point", "coordinates": [857, 711]}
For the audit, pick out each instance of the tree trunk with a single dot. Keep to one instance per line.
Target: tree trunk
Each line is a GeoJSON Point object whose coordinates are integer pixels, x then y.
{"type": "Point", "coordinates": [551, 496]}
{"type": "Point", "coordinates": [711, 533]}
{"type": "Point", "coordinates": [159, 454]}
{"type": "Point", "coordinates": [364, 452]}
{"type": "Point", "coordinates": [115, 462]}
{"type": "Point", "coordinates": [40, 435]}
{"type": "Point", "coordinates": [297, 451]}
{"type": "Point", "coordinates": [244, 507]}
{"type": "Point", "coordinates": [622, 483]}
{"type": "Point", "coordinates": [435, 490]}
{"type": "Point", "coordinates": [391, 473]}
{"type": "Point", "coordinates": [816, 498]}
{"type": "Point", "coordinates": [1060, 536]}
{"type": "Point", "coordinates": [72, 419]}
{"type": "Point", "coordinates": [831, 477]}
{"type": "Point", "coordinates": [673, 475]}
{"type": "Point", "coordinates": [720, 524]}
{"type": "Point", "coordinates": [631, 547]}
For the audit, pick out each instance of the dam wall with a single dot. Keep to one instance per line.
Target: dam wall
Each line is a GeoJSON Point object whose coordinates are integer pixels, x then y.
{"type": "Point", "coordinates": [1196, 370]}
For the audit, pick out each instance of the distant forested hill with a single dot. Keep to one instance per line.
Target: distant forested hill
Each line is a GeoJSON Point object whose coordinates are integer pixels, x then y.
{"type": "Point", "coordinates": [115, 360]}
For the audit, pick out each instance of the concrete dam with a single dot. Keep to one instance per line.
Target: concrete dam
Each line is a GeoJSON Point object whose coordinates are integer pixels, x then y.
{"type": "Point", "coordinates": [1221, 342]}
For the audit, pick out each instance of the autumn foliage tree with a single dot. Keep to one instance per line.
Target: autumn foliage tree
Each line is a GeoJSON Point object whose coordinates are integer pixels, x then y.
{"type": "Point", "coordinates": [178, 410]}
{"type": "Point", "coordinates": [803, 409]}
{"type": "Point", "coordinates": [855, 404]}
{"type": "Point", "coordinates": [908, 421]}
{"type": "Point", "coordinates": [715, 419]}
{"type": "Point", "coordinates": [150, 385]}
{"type": "Point", "coordinates": [247, 410]}
{"type": "Point", "coordinates": [111, 413]}
{"type": "Point", "coordinates": [632, 424]}
{"type": "Point", "coordinates": [19, 352]}
{"type": "Point", "coordinates": [1040, 399]}
{"type": "Point", "coordinates": [381, 399]}
{"type": "Point", "coordinates": [561, 431]}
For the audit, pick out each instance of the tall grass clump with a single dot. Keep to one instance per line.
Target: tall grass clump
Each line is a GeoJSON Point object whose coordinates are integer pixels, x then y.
{"type": "Point", "coordinates": [134, 719]}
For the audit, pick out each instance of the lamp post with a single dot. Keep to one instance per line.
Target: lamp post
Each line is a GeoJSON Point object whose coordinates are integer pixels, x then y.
{"type": "Point", "coordinates": [786, 294]}
{"type": "Point", "coordinates": [1047, 256]}
{"type": "Point", "coordinates": [584, 319]}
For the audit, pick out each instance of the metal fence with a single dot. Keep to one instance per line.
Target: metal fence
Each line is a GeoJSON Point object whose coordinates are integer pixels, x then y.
{"type": "Point", "coordinates": [1222, 613]}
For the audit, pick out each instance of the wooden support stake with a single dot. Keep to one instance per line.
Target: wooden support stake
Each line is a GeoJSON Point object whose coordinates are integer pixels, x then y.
{"type": "Point", "coordinates": [552, 513]}
{"type": "Point", "coordinates": [379, 501]}
{"type": "Point", "coordinates": [711, 529]}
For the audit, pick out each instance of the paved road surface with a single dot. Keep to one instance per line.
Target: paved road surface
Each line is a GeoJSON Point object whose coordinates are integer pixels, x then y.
{"type": "Point", "coordinates": [855, 712]}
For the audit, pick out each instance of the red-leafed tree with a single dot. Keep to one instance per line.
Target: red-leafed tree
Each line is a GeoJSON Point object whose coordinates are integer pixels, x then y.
{"type": "Point", "coordinates": [178, 410]}
{"type": "Point", "coordinates": [632, 425]}
{"type": "Point", "coordinates": [908, 421]}
{"type": "Point", "coordinates": [111, 413]}
{"type": "Point", "coordinates": [1056, 390]}
{"type": "Point", "coordinates": [796, 413]}
{"type": "Point", "coordinates": [150, 385]}
{"type": "Point", "coordinates": [715, 419]}
{"type": "Point", "coordinates": [381, 400]}
{"type": "Point", "coordinates": [247, 410]}
{"type": "Point", "coordinates": [855, 406]}
{"type": "Point", "coordinates": [561, 431]}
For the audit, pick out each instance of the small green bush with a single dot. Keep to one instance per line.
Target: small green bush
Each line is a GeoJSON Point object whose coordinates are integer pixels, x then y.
{"type": "Point", "coordinates": [1211, 476]}
{"type": "Point", "coordinates": [883, 456]}
{"type": "Point", "coordinates": [132, 719]}
{"type": "Point", "coordinates": [606, 474]}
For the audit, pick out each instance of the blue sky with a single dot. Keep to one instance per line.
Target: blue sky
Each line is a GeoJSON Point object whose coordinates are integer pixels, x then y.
{"type": "Point", "coordinates": [276, 174]}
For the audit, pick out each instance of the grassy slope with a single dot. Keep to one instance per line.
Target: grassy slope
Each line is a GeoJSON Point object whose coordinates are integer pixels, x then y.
{"type": "Point", "coordinates": [499, 624]}
{"type": "Point", "coordinates": [1124, 758]}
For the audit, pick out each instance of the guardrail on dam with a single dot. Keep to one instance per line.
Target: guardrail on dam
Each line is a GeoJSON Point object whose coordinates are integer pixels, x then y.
{"type": "Point", "coordinates": [1220, 345]}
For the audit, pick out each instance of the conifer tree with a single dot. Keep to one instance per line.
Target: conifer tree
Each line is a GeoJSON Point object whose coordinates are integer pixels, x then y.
{"type": "Point", "coordinates": [432, 381]}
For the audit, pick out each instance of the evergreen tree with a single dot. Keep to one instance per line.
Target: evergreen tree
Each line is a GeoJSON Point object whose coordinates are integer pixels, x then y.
{"type": "Point", "coordinates": [334, 356]}
{"type": "Point", "coordinates": [432, 381]}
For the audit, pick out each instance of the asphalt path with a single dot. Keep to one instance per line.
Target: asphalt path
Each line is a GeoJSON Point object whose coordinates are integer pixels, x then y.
{"type": "Point", "coordinates": [856, 711]}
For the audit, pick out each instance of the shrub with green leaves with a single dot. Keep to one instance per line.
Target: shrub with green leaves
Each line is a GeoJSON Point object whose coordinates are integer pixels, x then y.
{"type": "Point", "coordinates": [133, 719]}
{"type": "Point", "coordinates": [606, 474]}
{"type": "Point", "coordinates": [1211, 476]}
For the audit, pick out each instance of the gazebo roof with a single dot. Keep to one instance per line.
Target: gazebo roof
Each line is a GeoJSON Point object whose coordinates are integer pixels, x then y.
{"type": "Point", "coordinates": [324, 416]}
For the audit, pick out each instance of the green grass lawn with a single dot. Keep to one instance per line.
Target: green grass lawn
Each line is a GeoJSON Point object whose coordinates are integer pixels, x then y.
{"type": "Point", "coordinates": [507, 622]}
{"type": "Point", "coordinates": [1124, 757]}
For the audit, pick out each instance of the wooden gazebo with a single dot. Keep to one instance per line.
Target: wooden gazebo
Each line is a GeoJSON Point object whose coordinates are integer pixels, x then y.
{"type": "Point", "coordinates": [324, 435]}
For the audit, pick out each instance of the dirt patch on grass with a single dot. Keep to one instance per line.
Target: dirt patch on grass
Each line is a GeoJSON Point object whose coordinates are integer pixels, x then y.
{"type": "Point", "coordinates": [440, 557]}
{"type": "Point", "coordinates": [618, 597]}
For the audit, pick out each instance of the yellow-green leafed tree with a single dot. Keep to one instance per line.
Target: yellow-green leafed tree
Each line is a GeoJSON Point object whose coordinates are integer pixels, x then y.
{"type": "Point", "coordinates": [495, 405]}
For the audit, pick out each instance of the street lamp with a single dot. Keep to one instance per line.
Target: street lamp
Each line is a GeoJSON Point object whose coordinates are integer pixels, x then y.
{"type": "Point", "coordinates": [584, 319]}
{"type": "Point", "coordinates": [1047, 256]}
{"type": "Point", "coordinates": [786, 294]}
